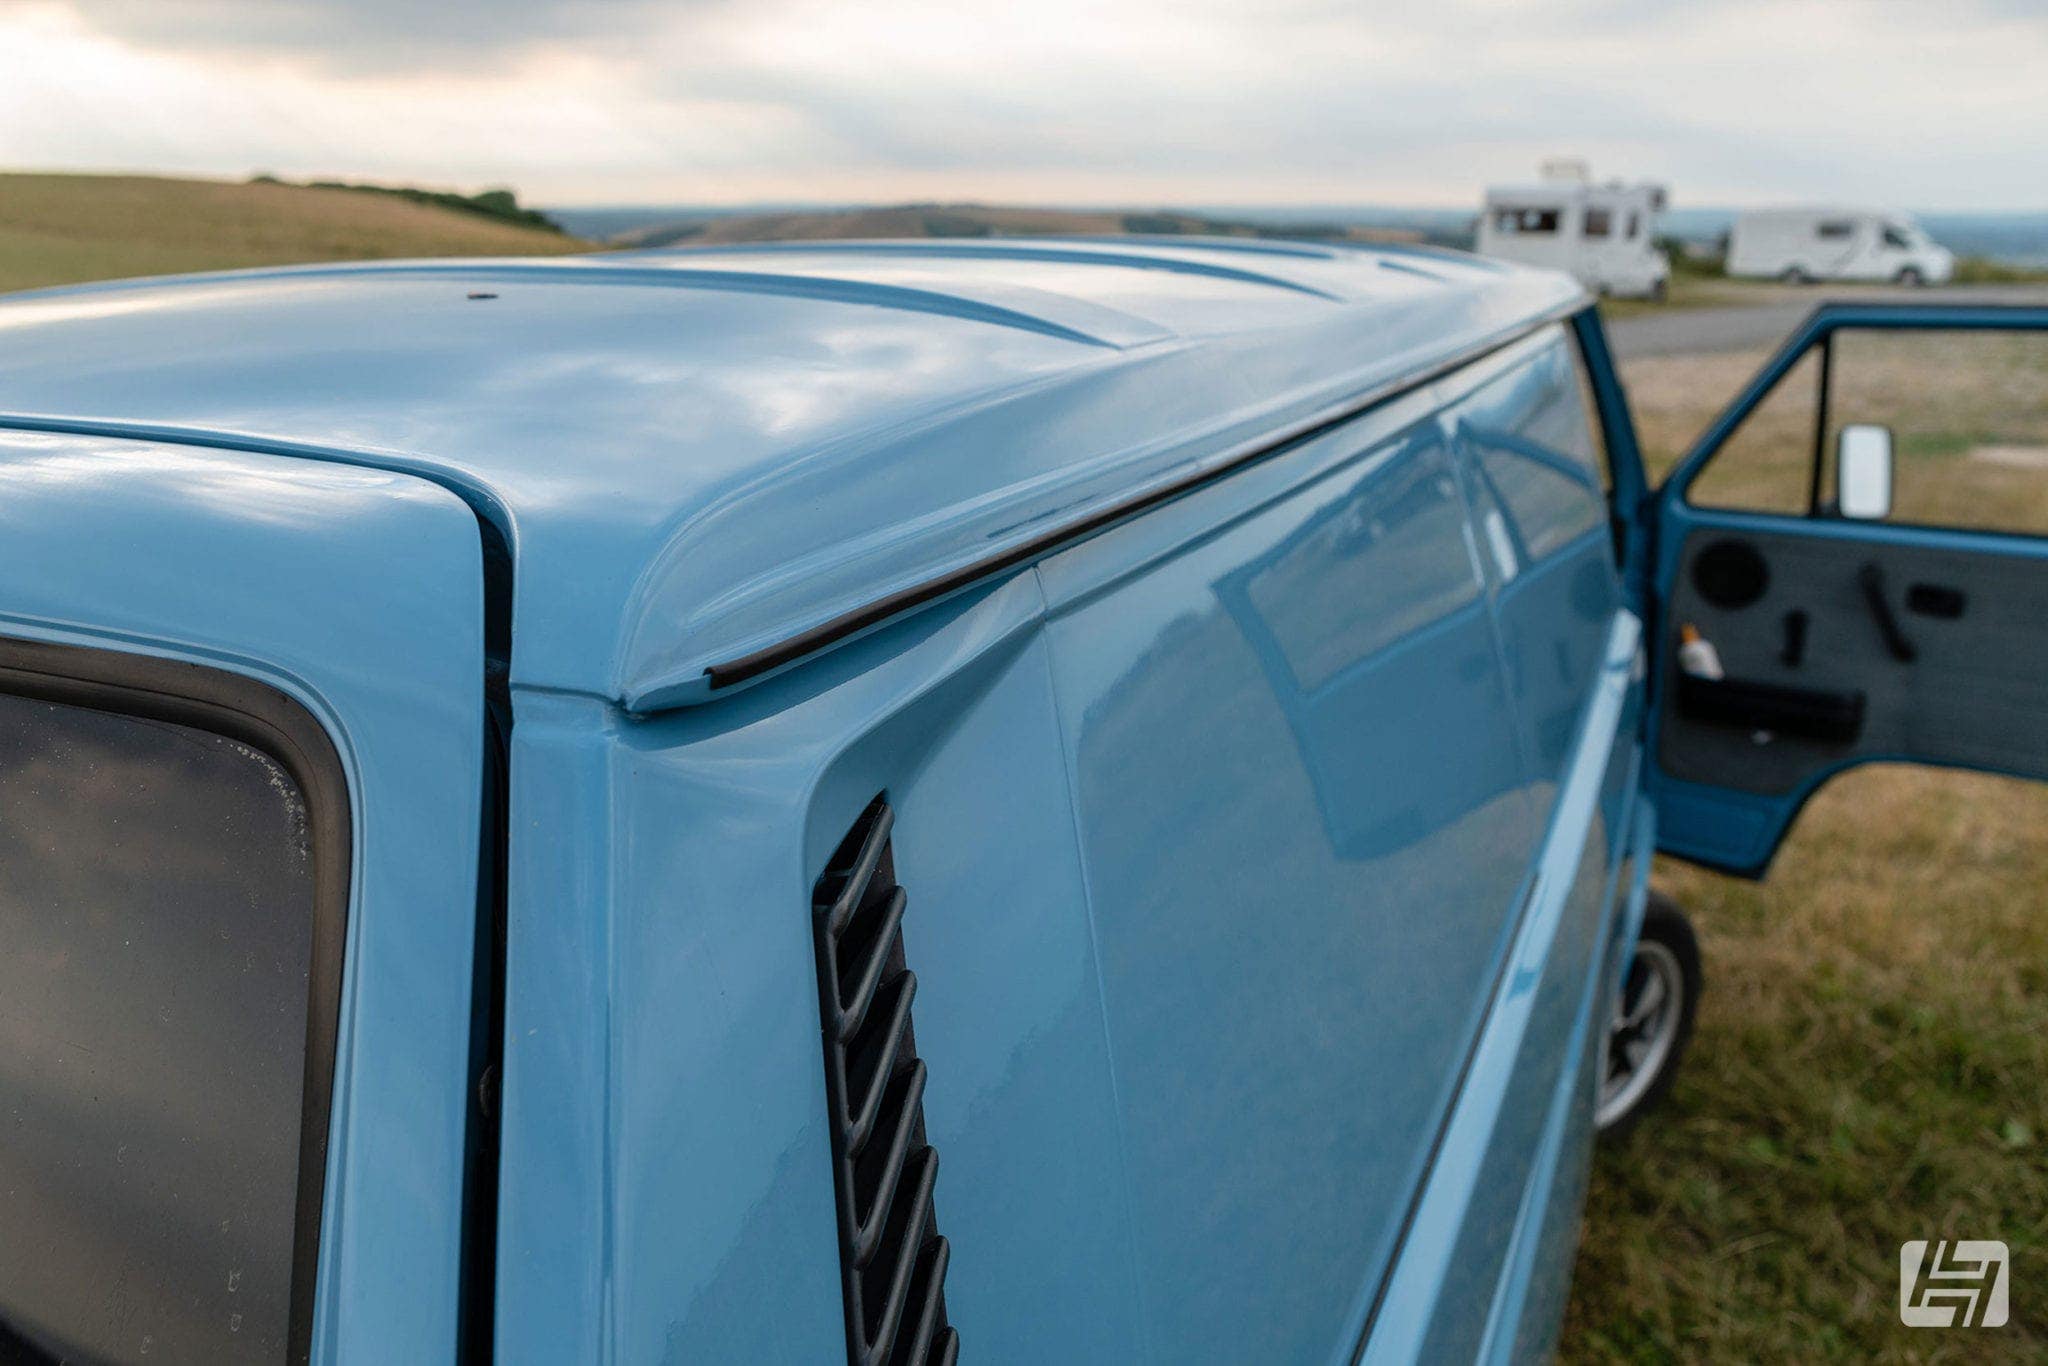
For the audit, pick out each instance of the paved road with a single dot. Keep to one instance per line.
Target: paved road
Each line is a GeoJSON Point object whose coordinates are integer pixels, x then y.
{"type": "Point", "coordinates": [1752, 327]}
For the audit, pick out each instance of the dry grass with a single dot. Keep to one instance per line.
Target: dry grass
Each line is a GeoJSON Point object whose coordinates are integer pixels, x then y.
{"type": "Point", "coordinates": [59, 229]}
{"type": "Point", "coordinates": [1867, 1069]}
{"type": "Point", "coordinates": [1691, 290]}
{"type": "Point", "coordinates": [1870, 1054]}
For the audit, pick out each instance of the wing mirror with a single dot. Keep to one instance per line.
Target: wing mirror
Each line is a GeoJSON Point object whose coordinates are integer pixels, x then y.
{"type": "Point", "coordinates": [1863, 472]}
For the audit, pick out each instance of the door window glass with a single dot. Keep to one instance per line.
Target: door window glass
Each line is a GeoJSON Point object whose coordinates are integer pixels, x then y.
{"type": "Point", "coordinates": [1896, 238]}
{"type": "Point", "coordinates": [156, 929]}
{"type": "Point", "coordinates": [1599, 222]}
{"type": "Point", "coordinates": [1968, 416]}
{"type": "Point", "coordinates": [1966, 411]}
{"type": "Point", "coordinates": [1766, 464]}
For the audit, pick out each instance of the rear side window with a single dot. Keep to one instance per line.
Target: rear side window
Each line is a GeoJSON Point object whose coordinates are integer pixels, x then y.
{"type": "Point", "coordinates": [1599, 222]}
{"type": "Point", "coordinates": [1835, 230]}
{"type": "Point", "coordinates": [161, 914]}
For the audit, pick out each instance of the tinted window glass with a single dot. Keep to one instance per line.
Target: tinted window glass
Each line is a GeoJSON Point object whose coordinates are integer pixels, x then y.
{"type": "Point", "coordinates": [1896, 238]}
{"type": "Point", "coordinates": [156, 920]}
{"type": "Point", "coordinates": [1599, 222]}
{"type": "Point", "coordinates": [1836, 230]}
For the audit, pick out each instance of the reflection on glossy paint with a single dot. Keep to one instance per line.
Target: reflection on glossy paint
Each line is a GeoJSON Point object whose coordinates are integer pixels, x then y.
{"type": "Point", "coordinates": [1373, 603]}
{"type": "Point", "coordinates": [1529, 454]}
{"type": "Point", "coordinates": [1317, 727]}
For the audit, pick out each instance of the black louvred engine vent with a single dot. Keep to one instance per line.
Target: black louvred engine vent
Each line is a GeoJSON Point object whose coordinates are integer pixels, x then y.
{"type": "Point", "coordinates": [891, 1254]}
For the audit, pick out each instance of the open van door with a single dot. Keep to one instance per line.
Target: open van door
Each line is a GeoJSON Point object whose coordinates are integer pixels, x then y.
{"type": "Point", "coordinates": [1858, 551]}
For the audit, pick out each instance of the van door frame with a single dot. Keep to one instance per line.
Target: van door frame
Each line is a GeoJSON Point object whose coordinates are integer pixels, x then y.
{"type": "Point", "coordinates": [1629, 497]}
{"type": "Point", "coordinates": [1669, 519]}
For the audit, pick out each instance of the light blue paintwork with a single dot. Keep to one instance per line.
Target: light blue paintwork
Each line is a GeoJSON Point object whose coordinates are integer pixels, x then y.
{"type": "Point", "coordinates": [1089, 1011]}
{"type": "Point", "coordinates": [694, 455]}
{"type": "Point", "coordinates": [360, 593]}
{"type": "Point", "coordinates": [1268, 852]}
{"type": "Point", "coordinates": [1741, 831]}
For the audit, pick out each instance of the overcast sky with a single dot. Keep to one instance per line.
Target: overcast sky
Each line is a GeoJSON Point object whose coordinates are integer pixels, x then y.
{"type": "Point", "coordinates": [1931, 104]}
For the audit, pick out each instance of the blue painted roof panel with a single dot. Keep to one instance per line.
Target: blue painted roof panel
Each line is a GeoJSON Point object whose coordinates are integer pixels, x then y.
{"type": "Point", "coordinates": [696, 453]}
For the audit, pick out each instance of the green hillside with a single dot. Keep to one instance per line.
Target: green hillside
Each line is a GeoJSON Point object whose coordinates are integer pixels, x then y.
{"type": "Point", "coordinates": [59, 229]}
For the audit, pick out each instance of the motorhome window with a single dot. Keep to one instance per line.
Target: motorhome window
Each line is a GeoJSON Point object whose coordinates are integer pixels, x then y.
{"type": "Point", "coordinates": [1525, 222]}
{"type": "Point", "coordinates": [156, 936]}
{"type": "Point", "coordinates": [1635, 221]}
{"type": "Point", "coordinates": [1599, 222]}
{"type": "Point", "coordinates": [1896, 237]}
{"type": "Point", "coordinates": [1835, 230]}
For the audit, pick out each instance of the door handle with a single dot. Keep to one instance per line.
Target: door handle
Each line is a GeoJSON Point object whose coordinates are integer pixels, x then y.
{"type": "Point", "coordinates": [1870, 579]}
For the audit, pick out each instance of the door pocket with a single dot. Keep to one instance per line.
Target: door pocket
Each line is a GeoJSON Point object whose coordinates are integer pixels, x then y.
{"type": "Point", "coordinates": [1815, 713]}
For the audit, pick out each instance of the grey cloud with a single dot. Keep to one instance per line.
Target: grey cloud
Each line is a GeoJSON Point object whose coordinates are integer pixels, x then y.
{"type": "Point", "coordinates": [359, 35]}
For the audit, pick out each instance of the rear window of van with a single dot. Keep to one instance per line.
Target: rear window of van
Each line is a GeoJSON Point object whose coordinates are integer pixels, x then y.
{"type": "Point", "coordinates": [156, 936]}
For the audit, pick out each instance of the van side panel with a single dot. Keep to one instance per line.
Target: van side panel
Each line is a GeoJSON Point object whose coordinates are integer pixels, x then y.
{"type": "Point", "coordinates": [668, 1167]}
{"type": "Point", "coordinates": [1510, 1183]}
{"type": "Point", "coordinates": [1303, 823]}
{"type": "Point", "coordinates": [1527, 447]}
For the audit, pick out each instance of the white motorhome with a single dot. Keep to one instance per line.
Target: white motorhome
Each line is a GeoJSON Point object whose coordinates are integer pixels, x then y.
{"type": "Point", "coordinates": [1803, 245]}
{"type": "Point", "coordinates": [1603, 234]}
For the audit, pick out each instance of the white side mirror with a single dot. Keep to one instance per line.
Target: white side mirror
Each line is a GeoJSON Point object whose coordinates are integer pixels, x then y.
{"type": "Point", "coordinates": [1863, 472]}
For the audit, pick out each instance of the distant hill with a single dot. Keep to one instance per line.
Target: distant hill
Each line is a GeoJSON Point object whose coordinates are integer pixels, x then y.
{"type": "Point", "coordinates": [58, 229]}
{"type": "Point", "coordinates": [500, 205]}
{"type": "Point", "coordinates": [966, 220]}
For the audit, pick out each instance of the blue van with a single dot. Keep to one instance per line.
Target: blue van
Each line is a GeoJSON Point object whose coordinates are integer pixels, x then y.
{"type": "Point", "coordinates": [1080, 801]}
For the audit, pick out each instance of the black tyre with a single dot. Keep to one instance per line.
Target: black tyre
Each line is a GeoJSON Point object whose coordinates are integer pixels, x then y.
{"type": "Point", "coordinates": [1796, 275]}
{"type": "Point", "coordinates": [1910, 277]}
{"type": "Point", "coordinates": [1653, 1018]}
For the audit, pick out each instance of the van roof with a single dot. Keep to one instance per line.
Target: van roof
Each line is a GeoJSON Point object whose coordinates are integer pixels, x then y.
{"type": "Point", "coordinates": [690, 454]}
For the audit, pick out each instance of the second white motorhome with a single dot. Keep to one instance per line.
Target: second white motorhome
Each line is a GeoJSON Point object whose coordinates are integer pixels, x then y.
{"type": "Point", "coordinates": [1803, 245]}
{"type": "Point", "coordinates": [1603, 234]}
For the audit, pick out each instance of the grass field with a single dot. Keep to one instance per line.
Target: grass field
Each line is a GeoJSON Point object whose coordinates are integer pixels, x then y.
{"type": "Point", "coordinates": [1871, 1050]}
{"type": "Point", "coordinates": [58, 229]}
